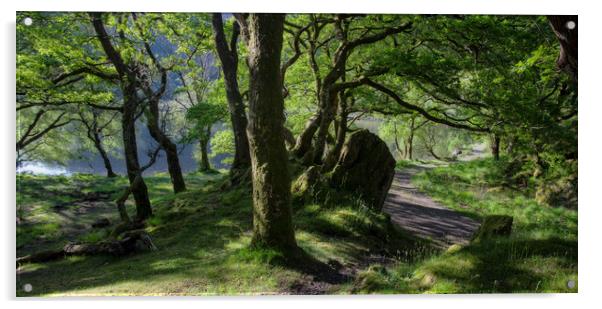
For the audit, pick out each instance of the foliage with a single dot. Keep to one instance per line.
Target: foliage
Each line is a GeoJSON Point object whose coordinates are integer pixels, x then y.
{"type": "Point", "coordinates": [222, 144]}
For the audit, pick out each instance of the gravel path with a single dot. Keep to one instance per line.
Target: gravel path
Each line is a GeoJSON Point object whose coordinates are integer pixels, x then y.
{"type": "Point", "coordinates": [418, 214]}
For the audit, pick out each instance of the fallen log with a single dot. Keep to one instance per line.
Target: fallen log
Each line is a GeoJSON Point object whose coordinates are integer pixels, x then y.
{"type": "Point", "coordinates": [134, 241]}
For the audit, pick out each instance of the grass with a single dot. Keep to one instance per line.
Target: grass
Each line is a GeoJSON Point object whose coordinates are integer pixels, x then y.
{"type": "Point", "coordinates": [539, 256]}
{"type": "Point", "coordinates": [203, 238]}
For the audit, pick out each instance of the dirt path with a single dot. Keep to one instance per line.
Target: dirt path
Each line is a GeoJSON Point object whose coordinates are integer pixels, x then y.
{"type": "Point", "coordinates": [418, 214]}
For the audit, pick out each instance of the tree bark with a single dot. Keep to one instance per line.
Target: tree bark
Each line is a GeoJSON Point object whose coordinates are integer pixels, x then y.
{"type": "Point", "coordinates": [495, 146]}
{"type": "Point", "coordinates": [228, 56]}
{"type": "Point", "coordinates": [409, 144]}
{"type": "Point", "coordinates": [204, 141]}
{"type": "Point", "coordinates": [303, 144]}
{"type": "Point", "coordinates": [567, 59]}
{"type": "Point", "coordinates": [93, 133]}
{"type": "Point", "coordinates": [341, 133]}
{"type": "Point", "coordinates": [104, 156]}
{"type": "Point", "coordinates": [170, 148]}
{"type": "Point", "coordinates": [130, 147]}
{"type": "Point", "coordinates": [128, 81]}
{"type": "Point", "coordinates": [327, 109]}
{"type": "Point", "coordinates": [272, 218]}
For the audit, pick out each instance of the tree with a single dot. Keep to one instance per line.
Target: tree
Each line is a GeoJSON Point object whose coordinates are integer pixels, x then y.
{"type": "Point", "coordinates": [128, 77]}
{"type": "Point", "coordinates": [272, 218]}
{"type": "Point", "coordinates": [228, 55]}
{"type": "Point", "coordinates": [96, 127]}
{"type": "Point", "coordinates": [48, 99]}
{"type": "Point", "coordinates": [348, 42]}
{"type": "Point", "coordinates": [153, 97]}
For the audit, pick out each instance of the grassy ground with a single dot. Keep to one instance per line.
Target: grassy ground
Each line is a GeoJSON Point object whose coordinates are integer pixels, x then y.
{"type": "Point", "coordinates": [202, 235]}
{"type": "Point", "coordinates": [540, 256]}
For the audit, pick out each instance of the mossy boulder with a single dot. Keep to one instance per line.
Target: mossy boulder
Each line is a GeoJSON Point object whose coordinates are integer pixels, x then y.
{"type": "Point", "coordinates": [305, 185]}
{"type": "Point", "coordinates": [495, 225]}
{"type": "Point", "coordinates": [561, 192]}
{"type": "Point", "coordinates": [366, 167]}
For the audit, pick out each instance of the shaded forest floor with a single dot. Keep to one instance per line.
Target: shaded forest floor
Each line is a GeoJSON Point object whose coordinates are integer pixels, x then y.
{"type": "Point", "coordinates": [203, 234]}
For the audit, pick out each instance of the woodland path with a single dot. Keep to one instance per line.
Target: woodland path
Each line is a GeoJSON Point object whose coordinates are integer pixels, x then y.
{"type": "Point", "coordinates": [421, 216]}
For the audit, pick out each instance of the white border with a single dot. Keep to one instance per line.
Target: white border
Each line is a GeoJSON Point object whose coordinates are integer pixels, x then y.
{"type": "Point", "coordinates": [589, 132]}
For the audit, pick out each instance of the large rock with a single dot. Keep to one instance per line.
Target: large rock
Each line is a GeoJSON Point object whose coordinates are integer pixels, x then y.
{"type": "Point", "coordinates": [365, 166]}
{"type": "Point", "coordinates": [494, 225]}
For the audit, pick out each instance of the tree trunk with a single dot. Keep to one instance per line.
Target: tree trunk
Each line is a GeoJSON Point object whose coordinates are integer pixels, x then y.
{"type": "Point", "coordinates": [128, 81]}
{"type": "Point", "coordinates": [510, 145]}
{"type": "Point", "coordinates": [567, 59]}
{"type": "Point", "coordinates": [94, 136]}
{"type": "Point", "coordinates": [272, 218]}
{"type": "Point", "coordinates": [204, 141]}
{"type": "Point", "coordinates": [328, 105]}
{"type": "Point", "coordinates": [410, 140]}
{"type": "Point", "coordinates": [228, 56]}
{"type": "Point", "coordinates": [130, 147]}
{"type": "Point", "coordinates": [432, 152]}
{"type": "Point", "coordinates": [289, 138]}
{"type": "Point", "coordinates": [402, 153]}
{"type": "Point", "coordinates": [341, 133]}
{"type": "Point", "coordinates": [303, 144]}
{"type": "Point", "coordinates": [103, 155]}
{"type": "Point", "coordinates": [495, 146]}
{"type": "Point", "coordinates": [171, 151]}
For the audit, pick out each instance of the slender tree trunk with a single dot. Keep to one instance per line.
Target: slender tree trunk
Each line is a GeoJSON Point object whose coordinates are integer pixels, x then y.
{"type": "Point", "coordinates": [510, 145]}
{"type": "Point", "coordinates": [410, 140]}
{"type": "Point", "coordinates": [103, 155]}
{"type": "Point", "coordinates": [204, 141]}
{"type": "Point", "coordinates": [272, 218]}
{"type": "Point", "coordinates": [303, 144]}
{"type": "Point", "coordinates": [495, 146]}
{"type": "Point", "coordinates": [130, 147]}
{"type": "Point", "coordinates": [401, 152]}
{"type": "Point", "coordinates": [128, 119]}
{"type": "Point", "coordinates": [171, 150]}
{"type": "Point", "coordinates": [228, 56]}
{"type": "Point", "coordinates": [432, 152]}
{"type": "Point", "coordinates": [94, 136]}
{"type": "Point", "coordinates": [411, 147]}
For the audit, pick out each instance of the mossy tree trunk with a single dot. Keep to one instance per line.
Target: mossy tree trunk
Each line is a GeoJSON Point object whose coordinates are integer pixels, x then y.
{"type": "Point", "coordinates": [204, 143]}
{"type": "Point", "coordinates": [272, 218]}
{"type": "Point", "coordinates": [341, 133]}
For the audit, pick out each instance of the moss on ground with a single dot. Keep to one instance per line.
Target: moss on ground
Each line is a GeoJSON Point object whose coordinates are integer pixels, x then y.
{"type": "Point", "coordinates": [203, 237]}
